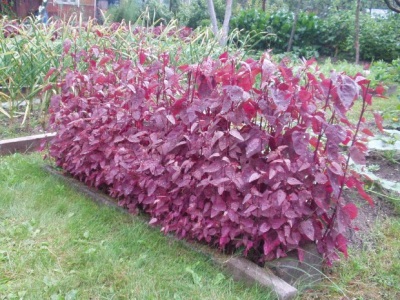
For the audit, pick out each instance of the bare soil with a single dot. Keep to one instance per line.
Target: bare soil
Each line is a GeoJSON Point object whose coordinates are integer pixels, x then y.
{"type": "Point", "coordinates": [368, 216]}
{"type": "Point", "coordinates": [389, 165]}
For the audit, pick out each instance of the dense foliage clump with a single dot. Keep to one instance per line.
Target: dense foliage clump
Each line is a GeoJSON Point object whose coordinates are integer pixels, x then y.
{"type": "Point", "coordinates": [238, 154]}
{"type": "Point", "coordinates": [331, 35]}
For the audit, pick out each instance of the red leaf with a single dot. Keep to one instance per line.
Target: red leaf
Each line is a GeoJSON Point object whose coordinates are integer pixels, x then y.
{"type": "Point", "coordinates": [378, 121]}
{"type": "Point", "coordinates": [224, 57]}
{"type": "Point", "coordinates": [305, 95]}
{"type": "Point", "coordinates": [219, 181]}
{"type": "Point", "coordinates": [250, 108]}
{"type": "Point", "coordinates": [351, 210]}
{"type": "Point", "coordinates": [368, 98]}
{"type": "Point", "coordinates": [212, 168]}
{"type": "Point", "coordinates": [341, 244]}
{"type": "Point", "coordinates": [104, 60]}
{"type": "Point", "coordinates": [50, 72]}
{"type": "Point", "coordinates": [379, 89]}
{"type": "Point", "coordinates": [67, 45]}
{"type": "Point", "coordinates": [278, 197]}
{"type": "Point", "coordinates": [367, 132]}
{"type": "Point", "coordinates": [142, 57]}
{"type": "Point", "coordinates": [171, 119]}
{"type": "Point", "coordinates": [250, 209]}
{"type": "Point", "coordinates": [178, 106]}
{"type": "Point", "coordinates": [365, 195]}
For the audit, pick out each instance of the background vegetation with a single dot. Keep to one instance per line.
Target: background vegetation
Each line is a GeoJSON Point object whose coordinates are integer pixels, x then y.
{"type": "Point", "coordinates": [323, 28]}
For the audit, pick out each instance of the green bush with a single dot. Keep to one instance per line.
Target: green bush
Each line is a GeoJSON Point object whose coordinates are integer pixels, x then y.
{"type": "Point", "coordinates": [131, 11]}
{"type": "Point", "coordinates": [385, 72]}
{"type": "Point", "coordinates": [264, 30]}
{"type": "Point", "coordinates": [127, 10]}
{"type": "Point", "coordinates": [195, 14]}
{"type": "Point", "coordinates": [335, 36]}
{"type": "Point", "coordinates": [380, 38]}
{"type": "Point", "coordinates": [254, 24]}
{"type": "Point", "coordinates": [331, 36]}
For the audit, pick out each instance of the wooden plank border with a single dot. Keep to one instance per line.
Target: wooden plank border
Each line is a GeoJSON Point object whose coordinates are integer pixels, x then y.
{"type": "Point", "coordinates": [24, 144]}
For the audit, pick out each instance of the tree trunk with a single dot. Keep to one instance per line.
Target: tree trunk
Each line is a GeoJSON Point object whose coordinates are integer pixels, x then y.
{"type": "Point", "coordinates": [393, 5]}
{"type": "Point", "coordinates": [357, 32]}
{"type": "Point", "coordinates": [213, 17]}
{"type": "Point", "coordinates": [296, 17]}
{"type": "Point", "coordinates": [225, 26]}
{"type": "Point", "coordinates": [223, 36]}
{"type": "Point", "coordinates": [264, 5]}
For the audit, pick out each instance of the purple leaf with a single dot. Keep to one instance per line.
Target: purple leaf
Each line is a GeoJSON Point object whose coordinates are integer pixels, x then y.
{"type": "Point", "coordinates": [219, 205]}
{"type": "Point", "coordinates": [347, 91]}
{"type": "Point", "coordinates": [236, 134]}
{"type": "Point", "coordinates": [212, 168]}
{"type": "Point", "coordinates": [254, 176]}
{"type": "Point", "coordinates": [253, 147]}
{"type": "Point", "coordinates": [293, 181]}
{"type": "Point", "coordinates": [300, 142]}
{"type": "Point", "coordinates": [171, 118]}
{"type": "Point", "coordinates": [307, 228]}
{"type": "Point", "coordinates": [357, 155]}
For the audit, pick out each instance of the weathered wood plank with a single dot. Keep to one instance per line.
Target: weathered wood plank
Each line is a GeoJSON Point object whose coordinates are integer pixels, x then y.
{"type": "Point", "coordinates": [24, 144]}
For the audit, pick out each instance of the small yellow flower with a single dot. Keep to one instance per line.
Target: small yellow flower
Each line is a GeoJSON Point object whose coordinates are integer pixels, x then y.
{"type": "Point", "coordinates": [395, 119]}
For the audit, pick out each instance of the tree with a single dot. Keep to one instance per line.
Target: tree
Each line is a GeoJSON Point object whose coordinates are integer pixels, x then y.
{"type": "Point", "coordinates": [223, 35]}
{"type": "Point", "coordinates": [357, 31]}
{"type": "Point", "coordinates": [393, 5]}
{"type": "Point", "coordinates": [296, 18]}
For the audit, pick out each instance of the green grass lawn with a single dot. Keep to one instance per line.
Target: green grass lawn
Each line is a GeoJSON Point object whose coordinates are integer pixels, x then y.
{"type": "Point", "coordinates": [55, 244]}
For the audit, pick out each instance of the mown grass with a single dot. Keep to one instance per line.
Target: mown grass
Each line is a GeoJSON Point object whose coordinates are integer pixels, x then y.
{"type": "Point", "coordinates": [55, 244]}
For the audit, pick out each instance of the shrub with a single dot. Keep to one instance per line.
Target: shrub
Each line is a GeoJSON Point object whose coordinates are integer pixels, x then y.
{"type": "Point", "coordinates": [254, 24]}
{"type": "Point", "coordinates": [154, 11]}
{"type": "Point", "coordinates": [126, 10]}
{"type": "Point", "coordinates": [331, 36]}
{"type": "Point", "coordinates": [239, 154]}
{"type": "Point", "coordinates": [195, 13]}
{"type": "Point", "coordinates": [272, 30]}
{"type": "Point", "coordinates": [385, 72]}
{"type": "Point", "coordinates": [379, 39]}
{"type": "Point", "coordinates": [335, 36]}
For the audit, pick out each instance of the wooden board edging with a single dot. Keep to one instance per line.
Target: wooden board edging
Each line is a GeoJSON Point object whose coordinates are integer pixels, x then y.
{"type": "Point", "coordinates": [24, 144]}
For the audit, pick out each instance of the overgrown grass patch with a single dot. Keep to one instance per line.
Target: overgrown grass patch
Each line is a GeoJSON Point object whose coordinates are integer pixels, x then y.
{"type": "Point", "coordinates": [55, 244]}
{"type": "Point", "coordinates": [370, 273]}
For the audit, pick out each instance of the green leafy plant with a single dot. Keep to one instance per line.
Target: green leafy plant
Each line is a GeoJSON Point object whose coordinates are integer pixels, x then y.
{"type": "Point", "coordinates": [271, 30]}
{"type": "Point", "coordinates": [379, 39]}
